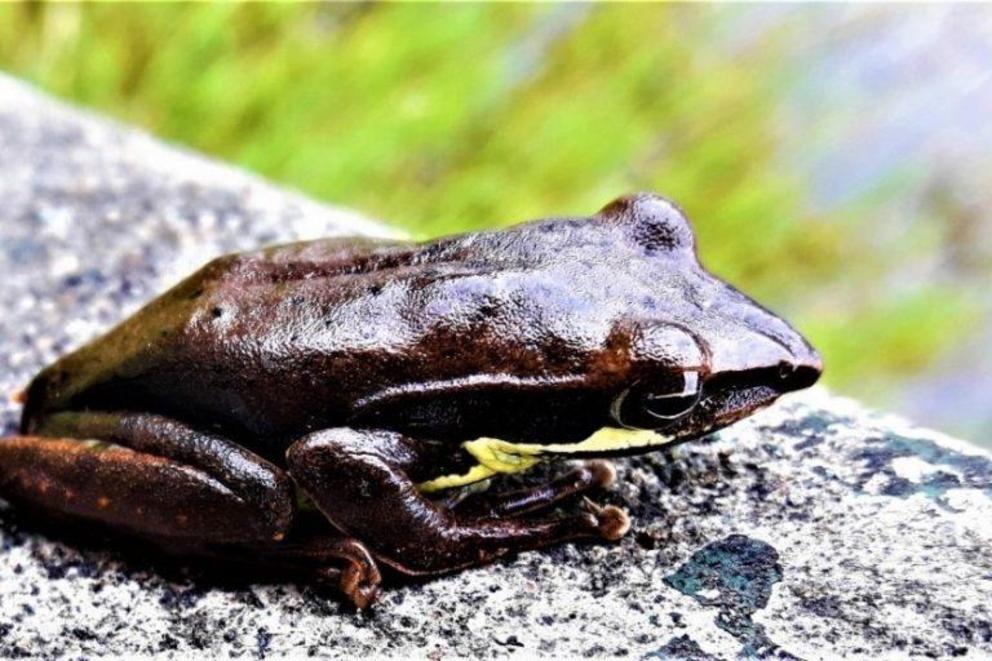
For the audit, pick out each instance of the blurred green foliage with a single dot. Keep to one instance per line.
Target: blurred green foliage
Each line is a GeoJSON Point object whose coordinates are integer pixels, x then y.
{"type": "Point", "coordinates": [442, 118]}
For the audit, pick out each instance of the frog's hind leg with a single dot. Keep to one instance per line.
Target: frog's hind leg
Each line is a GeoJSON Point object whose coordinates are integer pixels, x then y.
{"type": "Point", "coordinates": [361, 480]}
{"type": "Point", "coordinates": [147, 475]}
{"type": "Point", "coordinates": [186, 489]}
{"type": "Point", "coordinates": [592, 474]}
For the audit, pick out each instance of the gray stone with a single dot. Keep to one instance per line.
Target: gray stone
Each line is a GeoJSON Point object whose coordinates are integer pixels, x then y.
{"type": "Point", "coordinates": [813, 529]}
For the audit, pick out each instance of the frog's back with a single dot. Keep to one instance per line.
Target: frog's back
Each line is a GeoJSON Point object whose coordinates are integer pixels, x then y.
{"type": "Point", "coordinates": [284, 340]}
{"type": "Point", "coordinates": [202, 339]}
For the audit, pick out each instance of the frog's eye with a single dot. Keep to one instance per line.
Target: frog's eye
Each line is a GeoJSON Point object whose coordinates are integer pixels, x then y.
{"type": "Point", "coordinates": [653, 406]}
{"type": "Point", "coordinates": [654, 222]}
{"type": "Point", "coordinates": [669, 406]}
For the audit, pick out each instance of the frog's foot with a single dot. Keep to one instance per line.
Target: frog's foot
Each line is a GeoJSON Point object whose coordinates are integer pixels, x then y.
{"type": "Point", "coordinates": [359, 579]}
{"type": "Point", "coordinates": [592, 474]}
{"type": "Point", "coordinates": [359, 480]}
{"type": "Point", "coordinates": [342, 564]}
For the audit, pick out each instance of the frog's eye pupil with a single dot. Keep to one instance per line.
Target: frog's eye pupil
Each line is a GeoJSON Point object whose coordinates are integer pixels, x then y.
{"type": "Point", "coordinates": [672, 405]}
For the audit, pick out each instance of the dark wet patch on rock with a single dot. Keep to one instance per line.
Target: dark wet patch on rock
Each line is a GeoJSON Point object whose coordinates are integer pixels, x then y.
{"type": "Point", "coordinates": [741, 572]}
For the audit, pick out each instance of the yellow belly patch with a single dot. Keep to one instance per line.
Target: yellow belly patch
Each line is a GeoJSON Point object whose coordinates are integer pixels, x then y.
{"type": "Point", "coordinates": [496, 456]}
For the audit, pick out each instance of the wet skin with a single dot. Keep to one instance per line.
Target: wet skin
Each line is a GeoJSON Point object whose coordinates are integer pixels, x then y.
{"type": "Point", "coordinates": [352, 371]}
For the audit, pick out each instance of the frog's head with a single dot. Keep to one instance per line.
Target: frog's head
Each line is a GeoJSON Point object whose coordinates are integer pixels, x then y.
{"type": "Point", "coordinates": [701, 354]}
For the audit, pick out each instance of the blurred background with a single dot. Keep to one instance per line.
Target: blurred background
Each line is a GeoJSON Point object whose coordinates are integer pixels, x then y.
{"type": "Point", "coordinates": [836, 159]}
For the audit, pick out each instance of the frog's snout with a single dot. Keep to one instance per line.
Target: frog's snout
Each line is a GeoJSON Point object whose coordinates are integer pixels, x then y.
{"type": "Point", "coordinates": [799, 365]}
{"type": "Point", "coordinates": [778, 359]}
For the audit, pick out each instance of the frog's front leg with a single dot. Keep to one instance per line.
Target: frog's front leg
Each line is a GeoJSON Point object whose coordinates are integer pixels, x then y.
{"type": "Point", "coordinates": [361, 480]}
{"type": "Point", "coordinates": [158, 478]}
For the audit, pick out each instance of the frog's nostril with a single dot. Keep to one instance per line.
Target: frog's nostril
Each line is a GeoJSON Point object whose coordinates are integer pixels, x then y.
{"type": "Point", "coordinates": [800, 374]}
{"type": "Point", "coordinates": [785, 370]}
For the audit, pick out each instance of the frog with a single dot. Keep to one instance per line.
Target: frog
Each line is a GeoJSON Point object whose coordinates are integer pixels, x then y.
{"type": "Point", "coordinates": [382, 387]}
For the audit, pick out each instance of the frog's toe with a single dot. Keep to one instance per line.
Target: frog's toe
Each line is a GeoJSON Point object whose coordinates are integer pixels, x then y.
{"type": "Point", "coordinates": [611, 521]}
{"type": "Point", "coordinates": [360, 578]}
{"type": "Point", "coordinates": [342, 563]}
{"type": "Point", "coordinates": [361, 585]}
{"type": "Point", "coordinates": [603, 473]}
{"type": "Point", "coordinates": [614, 523]}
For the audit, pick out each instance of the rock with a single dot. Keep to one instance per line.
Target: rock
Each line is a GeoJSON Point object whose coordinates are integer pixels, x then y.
{"type": "Point", "coordinates": [813, 529]}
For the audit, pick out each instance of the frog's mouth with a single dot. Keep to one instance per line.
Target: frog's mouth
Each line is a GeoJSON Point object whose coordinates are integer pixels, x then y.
{"type": "Point", "coordinates": [496, 456]}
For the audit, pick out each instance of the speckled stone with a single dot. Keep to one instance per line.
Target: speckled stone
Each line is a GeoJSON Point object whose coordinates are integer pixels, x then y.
{"type": "Point", "coordinates": [813, 529]}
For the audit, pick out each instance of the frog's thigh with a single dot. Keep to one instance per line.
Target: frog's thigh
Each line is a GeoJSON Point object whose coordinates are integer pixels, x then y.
{"type": "Point", "coordinates": [149, 475]}
{"type": "Point", "coordinates": [358, 480]}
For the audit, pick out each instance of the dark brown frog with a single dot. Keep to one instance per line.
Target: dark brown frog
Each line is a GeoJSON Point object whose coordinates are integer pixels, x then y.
{"type": "Point", "coordinates": [374, 378]}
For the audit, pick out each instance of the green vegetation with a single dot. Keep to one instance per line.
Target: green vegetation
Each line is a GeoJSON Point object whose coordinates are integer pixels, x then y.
{"type": "Point", "coordinates": [447, 118]}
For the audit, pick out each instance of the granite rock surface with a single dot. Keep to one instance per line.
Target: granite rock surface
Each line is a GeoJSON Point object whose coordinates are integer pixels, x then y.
{"type": "Point", "coordinates": [814, 529]}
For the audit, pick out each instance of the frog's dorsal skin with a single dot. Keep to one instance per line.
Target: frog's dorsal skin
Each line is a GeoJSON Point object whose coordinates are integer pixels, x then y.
{"type": "Point", "coordinates": [301, 337]}
{"type": "Point", "coordinates": [542, 333]}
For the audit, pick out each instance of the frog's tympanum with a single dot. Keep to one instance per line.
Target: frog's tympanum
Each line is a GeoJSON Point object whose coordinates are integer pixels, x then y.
{"type": "Point", "coordinates": [376, 381]}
